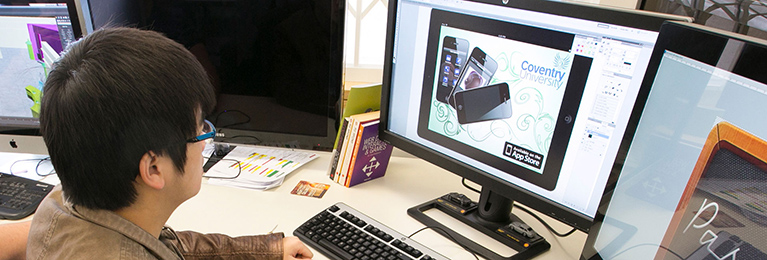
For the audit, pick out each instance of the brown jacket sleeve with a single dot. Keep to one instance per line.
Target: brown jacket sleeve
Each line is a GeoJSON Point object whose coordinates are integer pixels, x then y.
{"type": "Point", "coordinates": [195, 245]}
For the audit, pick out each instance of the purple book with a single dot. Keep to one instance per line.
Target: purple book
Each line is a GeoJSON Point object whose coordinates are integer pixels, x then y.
{"type": "Point", "coordinates": [372, 156]}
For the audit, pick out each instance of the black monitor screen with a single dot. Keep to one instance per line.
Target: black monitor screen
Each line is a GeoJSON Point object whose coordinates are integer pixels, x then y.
{"type": "Point", "coordinates": [276, 65]}
{"type": "Point", "coordinates": [529, 99]}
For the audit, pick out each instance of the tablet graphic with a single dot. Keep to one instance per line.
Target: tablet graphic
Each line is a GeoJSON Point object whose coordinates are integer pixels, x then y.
{"type": "Point", "coordinates": [517, 118]}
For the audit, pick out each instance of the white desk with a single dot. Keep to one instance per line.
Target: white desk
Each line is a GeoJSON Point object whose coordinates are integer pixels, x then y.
{"type": "Point", "coordinates": [408, 182]}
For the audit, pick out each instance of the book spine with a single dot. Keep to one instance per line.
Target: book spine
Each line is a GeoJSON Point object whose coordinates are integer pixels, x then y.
{"type": "Point", "coordinates": [345, 150]}
{"type": "Point", "coordinates": [355, 151]}
{"type": "Point", "coordinates": [335, 154]}
{"type": "Point", "coordinates": [340, 150]}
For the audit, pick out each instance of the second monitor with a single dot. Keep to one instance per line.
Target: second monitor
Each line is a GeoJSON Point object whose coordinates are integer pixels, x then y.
{"type": "Point", "coordinates": [529, 99]}
{"type": "Point", "coordinates": [277, 65]}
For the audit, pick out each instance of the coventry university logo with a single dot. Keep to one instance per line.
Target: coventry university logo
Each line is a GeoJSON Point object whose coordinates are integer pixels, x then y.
{"type": "Point", "coordinates": [544, 75]}
{"type": "Point", "coordinates": [561, 62]}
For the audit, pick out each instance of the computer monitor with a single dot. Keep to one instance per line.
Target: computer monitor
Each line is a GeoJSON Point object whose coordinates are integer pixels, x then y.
{"type": "Point", "coordinates": [694, 182]}
{"type": "Point", "coordinates": [277, 65]}
{"type": "Point", "coordinates": [34, 33]}
{"type": "Point", "coordinates": [529, 99]}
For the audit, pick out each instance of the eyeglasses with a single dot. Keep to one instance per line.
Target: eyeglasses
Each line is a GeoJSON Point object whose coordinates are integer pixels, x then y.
{"type": "Point", "coordinates": [209, 132]}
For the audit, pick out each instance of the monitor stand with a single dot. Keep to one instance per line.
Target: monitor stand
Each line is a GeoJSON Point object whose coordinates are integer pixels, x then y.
{"type": "Point", "coordinates": [491, 216]}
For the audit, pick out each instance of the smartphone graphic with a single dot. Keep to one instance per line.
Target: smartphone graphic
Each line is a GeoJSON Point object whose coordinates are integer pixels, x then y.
{"type": "Point", "coordinates": [483, 103]}
{"type": "Point", "coordinates": [454, 52]}
{"type": "Point", "coordinates": [477, 73]}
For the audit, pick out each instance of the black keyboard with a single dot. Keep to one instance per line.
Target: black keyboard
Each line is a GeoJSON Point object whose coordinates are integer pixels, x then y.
{"type": "Point", "coordinates": [341, 232]}
{"type": "Point", "coordinates": [19, 197]}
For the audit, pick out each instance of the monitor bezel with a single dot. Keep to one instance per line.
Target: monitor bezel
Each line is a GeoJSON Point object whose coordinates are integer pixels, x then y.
{"type": "Point", "coordinates": [74, 16]}
{"type": "Point", "coordinates": [638, 19]}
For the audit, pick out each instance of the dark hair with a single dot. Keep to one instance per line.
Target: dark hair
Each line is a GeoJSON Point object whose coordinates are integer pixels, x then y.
{"type": "Point", "coordinates": [112, 97]}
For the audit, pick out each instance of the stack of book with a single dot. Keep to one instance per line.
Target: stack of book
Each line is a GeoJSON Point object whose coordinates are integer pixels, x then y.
{"type": "Point", "coordinates": [359, 155]}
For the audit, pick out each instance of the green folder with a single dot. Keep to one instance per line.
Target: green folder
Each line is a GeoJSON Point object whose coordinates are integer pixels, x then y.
{"type": "Point", "coordinates": [362, 98]}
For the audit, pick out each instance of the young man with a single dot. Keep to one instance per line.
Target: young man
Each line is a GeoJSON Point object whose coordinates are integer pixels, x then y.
{"type": "Point", "coordinates": [122, 117]}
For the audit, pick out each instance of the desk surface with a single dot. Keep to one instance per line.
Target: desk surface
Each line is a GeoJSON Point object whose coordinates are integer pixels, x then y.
{"type": "Point", "coordinates": [408, 182]}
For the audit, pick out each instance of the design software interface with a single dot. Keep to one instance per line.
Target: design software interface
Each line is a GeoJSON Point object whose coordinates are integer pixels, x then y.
{"type": "Point", "coordinates": [493, 83]}
{"type": "Point", "coordinates": [32, 38]}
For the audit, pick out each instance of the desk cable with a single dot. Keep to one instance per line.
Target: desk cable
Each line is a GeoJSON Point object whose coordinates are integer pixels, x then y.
{"type": "Point", "coordinates": [37, 167]}
{"type": "Point", "coordinates": [247, 118]}
{"type": "Point", "coordinates": [448, 235]}
{"type": "Point", "coordinates": [239, 169]}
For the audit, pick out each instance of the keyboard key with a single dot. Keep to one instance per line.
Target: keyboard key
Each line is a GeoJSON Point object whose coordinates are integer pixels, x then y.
{"type": "Point", "coordinates": [416, 253]}
{"type": "Point", "coordinates": [335, 250]}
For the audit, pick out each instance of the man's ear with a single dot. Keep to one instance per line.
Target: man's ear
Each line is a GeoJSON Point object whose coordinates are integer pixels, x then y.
{"type": "Point", "coordinates": [150, 172]}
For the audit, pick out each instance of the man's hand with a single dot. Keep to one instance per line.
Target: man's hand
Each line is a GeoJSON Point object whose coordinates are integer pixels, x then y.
{"type": "Point", "coordinates": [14, 245]}
{"type": "Point", "coordinates": [295, 249]}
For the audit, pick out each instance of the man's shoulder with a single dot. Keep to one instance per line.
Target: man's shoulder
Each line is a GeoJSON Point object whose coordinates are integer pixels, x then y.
{"type": "Point", "coordinates": [59, 233]}
{"type": "Point", "coordinates": [70, 238]}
